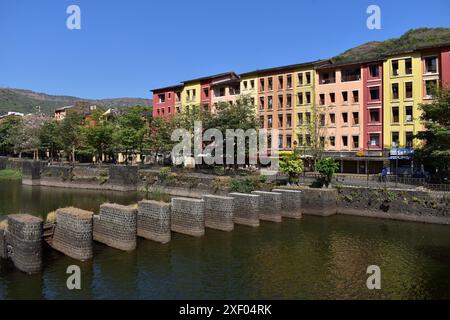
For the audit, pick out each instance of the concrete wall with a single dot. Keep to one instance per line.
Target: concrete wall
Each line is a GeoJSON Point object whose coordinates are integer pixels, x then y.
{"type": "Point", "coordinates": [291, 203]}
{"type": "Point", "coordinates": [269, 205]}
{"type": "Point", "coordinates": [3, 246]}
{"type": "Point", "coordinates": [73, 233]}
{"type": "Point", "coordinates": [116, 226]}
{"type": "Point", "coordinates": [31, 172]}
{"type": "Point", "coordinates": [188, 216]}
{"type": "Point", "coordinates": [246, 209]}
{"type": "Point", "coordinates": [219, 212]}
{"type": "Point", "coordinates": [153, 221]}
{"type": "Point", "coordinates": [124, 177]}
{"type": "Point", "coordinates": [24, 235]}
{"type": "Point", "coordinates": [321, 202]}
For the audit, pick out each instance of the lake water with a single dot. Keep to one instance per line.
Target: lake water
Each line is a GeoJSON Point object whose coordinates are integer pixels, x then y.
{"type": "Point", "coordinates": [312, 258]}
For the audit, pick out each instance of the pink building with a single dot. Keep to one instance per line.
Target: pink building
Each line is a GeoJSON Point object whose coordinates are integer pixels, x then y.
{"type": "Point", "coordinates": [445, 66]}
{"type": "Point", "coordinates": [166, 101]}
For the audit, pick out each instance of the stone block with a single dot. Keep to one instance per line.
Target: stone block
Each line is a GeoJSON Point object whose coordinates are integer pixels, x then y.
{"type": "Point", "coordinates": [291, 203]}
{"type": "Point", "coordinates": [153, 220]}
{"type": "Point", "coordinates": [245, 209]}
{"type": "Point", "coordinates": [219, 212]}
{"type": "Point", "coordinates": [188, 216]}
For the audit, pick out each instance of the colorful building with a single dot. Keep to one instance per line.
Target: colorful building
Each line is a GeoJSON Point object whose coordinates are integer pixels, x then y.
{"type": "Point", "coordinates": [166, 101]}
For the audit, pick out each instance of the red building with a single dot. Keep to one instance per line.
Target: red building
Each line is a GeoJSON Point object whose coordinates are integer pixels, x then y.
{"type": "Point", "coordinates": [166, 100]}
{"type": "Point", "coordinates": [372, 74]}
{"type": "Point", "coordinates": [445, 67]}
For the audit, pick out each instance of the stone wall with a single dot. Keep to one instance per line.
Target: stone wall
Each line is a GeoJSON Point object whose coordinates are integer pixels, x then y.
{"type": "Point", "coordinates": [31, 172]}
{"type": "Point", "coordinates": [321, 202]}
{"type": "Point", "coordinates": [291, 203]}
{"type": "Point", "coordinates": [153, 221]}
{"type": "Point", "coordinates": [269, 205]}
{"type": "Point", "coordinates": [412, 205]}
{"type": "Point", "coordinates": [73, 233]}
{"type": "Point", "coordinates": [219, 212]}
{"type": "Point", "coordinates": [246, 209]}
{"type": "Point", "coordinates": [125, 178]}
{"type": "Point", "coordinates": [24, 235]}
{"type": "Point", "coordinates": [116, 226]}
{"type": "Point", "coordinates": [188, 216]}
{"type": "Point", "coordinates": [3, 246]}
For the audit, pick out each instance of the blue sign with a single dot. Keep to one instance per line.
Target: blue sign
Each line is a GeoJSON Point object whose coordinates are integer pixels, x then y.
{"type": "Point", "coordinates": [401, 153]}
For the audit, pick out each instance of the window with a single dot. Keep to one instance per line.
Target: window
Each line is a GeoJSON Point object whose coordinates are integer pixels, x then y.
{"type": "Point", "coordinates": [289, 81]}
{"type": "Point", "coordinates": [288, 101]}
{"type": "Point", "coordinates": [395, 71]}
{"type": "Point", "coordinates": [280, 102]}
{"type": "Point", "coordinates": [178, 96]}
{"type": "Point", "coordinates": [333, 97]}
{"type": "Point", "coordinates": [245, 84]}
{"type": "Point", "coordinates": [252, 84]}
{"type": "Point", "coordinates": [194, 93]}
{"type": "Point", "coordinates": [355, 118]}
{"type": "Point", "coordinates": [409, 139]}
{"type": "Point", "coordinates": [355, 142]}
{"type": "Point", "coordinates": [395, 139]}
{"type": "Point", "coordinates": [332, 118]}
{"type": "Point", "coordinates": [351, 74]}
{"type": "Point", "coordinates": [269, 121]}
{"type": "Point", "coordinates": [280, 82]}
{"type": "Point", "coordinates": [280, 141]}
{"type": "Point", "coordinates": [355, 96]}
{"type": "Point", "coordinates": [300, 97]}
{"type": "Point", "coordinates": [289, 121]}
{"type": "Point", "coordinates": [345, 97]}
{"type": "Point", "coordinates": [308, 139]}
{"type": "Point", "coordinates": [300, 78]}
{"type": "Point", "coordinates": [431, 65]}
{"type": "Point", "coordinates": [332, 141]}
{"type": "Point", "coordinates": [375, 94]}
{"type": "Point", "coordinates": [308, 77]}
{"type": "Point", "coordinates": [395, 91]}
{"type": "Point", "coordinates": [270, 102]}
{"type": "Point", "coordinates": [327, 77]}
{"type": "Point", "coordinates": [221, 91]}
{"type": "Point", "coordinates": [395, 115]}
{"type": "Point", "coordinates": [374, 71]}
{"type": "Point", "coordinates": [322, 99]}
{"type": "Point", "coordinates": [270, 87]}
{"type": "Point", "coordinates": [288, 142]}
{"type": "Point", "coordinates": [408, 113]}
{"type": "Point", "coordinates": [308, 118]}
{"type": "Point", "coordinates": [300, 119]}
{"type": "Point", "coordinates": [300, 139]}
{"type": "Point", "coordinates": [162, 98]}
{"type": "Point", "coordinates": [374, 139]}
{"type": "Point", "coordinates": [374, 115]}
{"type": "Point", "coordinates": [345, 117]}
{"type": "Point", "coordinates": [206, 92]}
{"type": "Point", "coordinates": [261, 85]}
{"type": "Point", "coordinates": [261, 103]}
{"type": "Point", "coordinates": [408, 66]}
{"type": "Point", "coordinates": [261, 122]}
{"type": "Point", "coordinates": [408, 90]}
{"type": "Point", "coordinates": [322, 120]}
{"type": "Point", "coordinates": [345, 141]}
{"type": "Point", "coordinates": [280, 121]}
{"type": "Point", "coordinates": [430, 87]}
{"type": "Point", "coordinates": [308, 97]}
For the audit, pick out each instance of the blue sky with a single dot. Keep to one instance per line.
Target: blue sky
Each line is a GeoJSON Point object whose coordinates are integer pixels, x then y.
{"type": "Point", "coordinates": [126, 48]}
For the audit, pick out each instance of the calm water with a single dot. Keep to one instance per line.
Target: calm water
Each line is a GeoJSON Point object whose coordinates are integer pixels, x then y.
{"type": "Point", "coordinates": [315, 258]}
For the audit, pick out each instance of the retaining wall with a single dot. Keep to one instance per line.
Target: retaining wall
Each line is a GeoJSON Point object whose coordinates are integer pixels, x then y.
{"type": "Point", "coordinates": [269, 205]}
{"type": "Point", "coordinates": [73, 233]}
{"type": "Point", "coordinates": [153, 220]}
{"type": "Point", "coordinates": [116, 226]}
{"type": "Point", "coordinates": [291, 203]}
{"type": "Point", "coordinates": [125, 178]}
{"type": "Point", "coordinates": [3, 246]}
{"type": "Point", "coordinates": [246, 209]}
{"type": "Point", "coordinates": [321, 202]}
{"type": "Point", "coordinates": [219, 212]}
{"type": "Point", "coordinates": [24, 235]}
{"type": "Point", "coordinates": [188, 216]}
{"type": "Point", "coordinates": [31, 172]}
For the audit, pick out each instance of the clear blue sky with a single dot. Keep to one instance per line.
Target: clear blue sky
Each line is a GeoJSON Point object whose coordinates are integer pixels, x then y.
{"type": "Point", "coordinates": [126, 48]}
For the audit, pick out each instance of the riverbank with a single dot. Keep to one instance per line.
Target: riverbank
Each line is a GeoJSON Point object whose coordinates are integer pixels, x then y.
{"type": "Point", "coordinates": [10, 174]}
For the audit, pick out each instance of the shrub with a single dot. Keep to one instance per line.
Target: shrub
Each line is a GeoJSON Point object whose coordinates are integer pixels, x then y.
{"type": "Point", "coordinates": [242, 185]}
{"type": "Point", "coordinates": [164, 173]}
{"type": "Point", "coordinates": [327, 167]}
{"type": "Point", "coordinates": [292, 165]}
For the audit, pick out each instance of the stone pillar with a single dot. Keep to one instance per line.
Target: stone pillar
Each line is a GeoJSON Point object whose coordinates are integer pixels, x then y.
{"type": "Point", "coordinates": [321, 202]}
{"type": "Point", "coordinates": [269, 206]}
{"type": "Point", "coordinates": [116, 226]}
{"type": "Point", "coordinates": [219, 212]}
{"type": "Point", "coordinates": [123, 178]}
{"type": "Point", "coordinates": [31, 173]}
{"type": "Point", "coordinates": [73, 233]}
{"type": "Point", "coordinates": [188, 216]}
{"type": "Point", "coordinates": [24, 235]}
{"type": "Point", "coordinates": [245, 209]}
{"type": "Point", "coordinates": [291, 203]}
{"type": "Point", "coordinates": [153, 220]}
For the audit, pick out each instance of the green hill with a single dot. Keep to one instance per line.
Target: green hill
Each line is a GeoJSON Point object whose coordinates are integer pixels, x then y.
{"type": "Point", "coordinates": [412, 39]}
{"type": "Point", "coordinates": [25, 101]}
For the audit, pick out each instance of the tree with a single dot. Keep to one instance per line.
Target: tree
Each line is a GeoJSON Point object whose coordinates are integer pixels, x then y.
{"type": "Point", "coordinates": [158, 136]}
{"type": "Point", "coordinates": [436, 147]}
{"type": "Point", "coordinates": [327, 167]}
{"type": "Point", "coordinates": [291, 164]}
{"type": "Point", "coordinates": [25, 136]}
{"type": "Point", "coordinates": [70, 129]}
{"type": "Point", "coordinates": [50, 138]}
{"type": "Point", "coordinates": [7, 127]}
{"type": "Point", "coordinates": [98, 135]}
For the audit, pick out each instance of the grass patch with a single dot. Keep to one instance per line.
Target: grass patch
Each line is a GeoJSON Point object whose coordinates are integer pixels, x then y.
{"type": "Point", "coordinates": [9, 174]}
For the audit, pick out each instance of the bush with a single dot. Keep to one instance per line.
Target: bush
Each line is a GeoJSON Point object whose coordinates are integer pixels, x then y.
{"type": "Point", "coordinates": [327, 167]}
{"type": "Point", "coordinates": [292, 165]}
{"type": "Point", "coordinates": [164, 173]}
{"type": "Point", "coordinates": [242, 185]}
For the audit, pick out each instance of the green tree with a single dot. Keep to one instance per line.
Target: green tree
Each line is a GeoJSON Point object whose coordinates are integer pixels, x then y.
{"type": "Point", "coordinates": [50, 138]}
{"type": "Point", "coordinates": [7, 128]}
{"type": "Point", "coordinates": [70, 131]}
{"type": "Point", "coordinates": [158, 136]}
{"type": "Point", "coordinates": [98, 135]}
{"type": "Point", "coordinates": [436, 139]}
{"type": "Point", "coordinates": [292, 165]}
{"type": "Point", "coordinates": [25, 136]}
{"type": "Point", "coordinates": [327, 167]}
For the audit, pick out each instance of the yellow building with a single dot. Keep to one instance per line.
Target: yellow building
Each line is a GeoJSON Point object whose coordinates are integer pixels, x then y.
{"type": "Point", "coordinates": [249, 86]}
{"type": "Point", "coordinates": [190, 95]}
{"type": "Point", "coordinates": [402, 87]}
